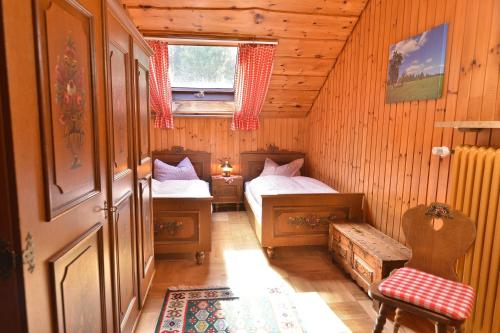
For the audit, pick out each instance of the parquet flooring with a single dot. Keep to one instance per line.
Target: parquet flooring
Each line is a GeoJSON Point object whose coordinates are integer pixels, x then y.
{"type": "Point", "coordinates": [328, 299]}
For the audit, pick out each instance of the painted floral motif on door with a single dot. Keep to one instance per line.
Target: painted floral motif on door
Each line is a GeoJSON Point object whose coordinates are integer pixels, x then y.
{"type": "Point", "coordinates": [68, 108]}
{"type": "Point", "coordinates": [70, 96]}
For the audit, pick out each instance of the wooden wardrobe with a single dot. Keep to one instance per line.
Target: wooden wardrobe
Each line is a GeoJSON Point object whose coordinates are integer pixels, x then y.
{"type": "Point", "coordinates": [77, 73]}
{"type": "Point", "coordinates": [130, 165]}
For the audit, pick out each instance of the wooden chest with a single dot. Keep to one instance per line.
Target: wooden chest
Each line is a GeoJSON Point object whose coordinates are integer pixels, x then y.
{"type": "Point", "coordinates": [367, 254]}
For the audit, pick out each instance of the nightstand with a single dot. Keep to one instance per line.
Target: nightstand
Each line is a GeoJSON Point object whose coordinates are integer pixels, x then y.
{"type": "Point", "coordinates": [227, 190]}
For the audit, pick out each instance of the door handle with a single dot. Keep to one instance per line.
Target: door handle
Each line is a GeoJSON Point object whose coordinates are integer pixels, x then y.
{"type": "Point", "coordinates": [106, 208]}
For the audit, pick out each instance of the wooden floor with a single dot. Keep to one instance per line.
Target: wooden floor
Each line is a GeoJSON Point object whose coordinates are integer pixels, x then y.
{"type": "Point", "coordinates": [237, 261]}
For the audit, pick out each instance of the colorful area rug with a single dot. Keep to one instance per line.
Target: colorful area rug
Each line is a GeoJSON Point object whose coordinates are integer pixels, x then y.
{"type": "Point", "coordinates": [219, 310]}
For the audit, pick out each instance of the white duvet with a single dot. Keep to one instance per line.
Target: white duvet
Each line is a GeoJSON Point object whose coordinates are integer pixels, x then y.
{"type": "Point", "coordinates": [195, 188]}
{"type": "Point", "coordinates": [268, 185]}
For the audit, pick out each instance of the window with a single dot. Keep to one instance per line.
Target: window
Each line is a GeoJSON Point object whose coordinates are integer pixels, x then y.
{"type": "Point", "coordinates": [202, 79]}
{"type": "Point", "coordinates": [202, 67]}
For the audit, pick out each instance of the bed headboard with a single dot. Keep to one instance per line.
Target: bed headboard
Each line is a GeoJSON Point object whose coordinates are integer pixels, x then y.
{"type": "Point", "coordinates": [201, 160]}
{"type": "Point", "coordinates": [252, 162]}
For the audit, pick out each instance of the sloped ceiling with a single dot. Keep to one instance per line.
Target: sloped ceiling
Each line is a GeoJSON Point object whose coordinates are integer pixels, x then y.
{"type": "Point", "coordinates": [311, 34]}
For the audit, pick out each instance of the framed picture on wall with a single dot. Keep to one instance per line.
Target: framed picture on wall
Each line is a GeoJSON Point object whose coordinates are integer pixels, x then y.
{"type": "Point", "coordinates": [416, 66]}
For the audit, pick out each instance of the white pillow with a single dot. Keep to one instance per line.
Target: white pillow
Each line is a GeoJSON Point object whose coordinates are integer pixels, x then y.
{"type": "Point", "coordinates": [291, 169]}
{"type": "Point", "coordinates": [183, 171]}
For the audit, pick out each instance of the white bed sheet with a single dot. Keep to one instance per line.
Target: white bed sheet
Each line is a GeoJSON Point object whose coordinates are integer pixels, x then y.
{"type": "Point", "coordinates": [280, 185]}
{"type": "Point", "coordinates": [269, 185]}
{"type": "Point", "coordinates": [195, 188]}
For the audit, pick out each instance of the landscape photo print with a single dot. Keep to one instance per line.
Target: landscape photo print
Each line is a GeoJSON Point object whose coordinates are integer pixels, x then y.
{"type": "Point", "coordinates": [416, 66]}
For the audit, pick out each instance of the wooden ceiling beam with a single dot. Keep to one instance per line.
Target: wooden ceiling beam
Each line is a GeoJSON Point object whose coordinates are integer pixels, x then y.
{"type": "Point", "coordinates": [317, 7]}
{"type": "Point", "coordinates": [249, 35]}
{"type": "Point", "coordinates": [257, 22]}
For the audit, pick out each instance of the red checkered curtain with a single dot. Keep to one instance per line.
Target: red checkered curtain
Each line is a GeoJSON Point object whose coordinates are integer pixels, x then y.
{"type": "Point", "coordinates": [253, 73]}
{"type": "Point", "coordinates": [160, 91]}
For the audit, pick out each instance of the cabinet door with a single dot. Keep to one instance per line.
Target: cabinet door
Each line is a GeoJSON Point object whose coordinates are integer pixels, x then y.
{"type": "Point", "coordinates": [59, 146]}
{"type": "Point", "coordinates": [121, 141]}
{"type": "Point", "coordinates": [143, 171]}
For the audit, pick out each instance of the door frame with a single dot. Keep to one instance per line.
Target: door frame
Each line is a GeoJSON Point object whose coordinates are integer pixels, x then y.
{"type": "Point", "coordinates": [13, 316]}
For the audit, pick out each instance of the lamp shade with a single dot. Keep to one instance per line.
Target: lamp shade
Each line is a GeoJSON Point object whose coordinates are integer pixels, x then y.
{"type": "Point", "coordinates": [226, 168]}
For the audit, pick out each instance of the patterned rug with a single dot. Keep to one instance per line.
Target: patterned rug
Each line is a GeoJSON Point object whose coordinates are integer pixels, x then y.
{"type": "Point", "coordinates": [219, 310]}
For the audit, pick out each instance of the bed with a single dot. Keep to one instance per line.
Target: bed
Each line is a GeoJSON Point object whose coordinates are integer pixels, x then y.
{"type": "Point", "coordinates": [182, 210]}
{"type": "Point", "coordinates": [293, 219]}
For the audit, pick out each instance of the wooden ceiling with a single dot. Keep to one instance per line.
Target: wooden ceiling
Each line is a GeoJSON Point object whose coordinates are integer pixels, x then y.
{"type": "Point", "coordinates": [311, 34]}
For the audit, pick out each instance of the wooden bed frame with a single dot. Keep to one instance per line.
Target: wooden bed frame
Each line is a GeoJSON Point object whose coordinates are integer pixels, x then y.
{"type": "Point", "coordinates": [296, 219]}
{"type": "Point", "coordinates": [183, 224]}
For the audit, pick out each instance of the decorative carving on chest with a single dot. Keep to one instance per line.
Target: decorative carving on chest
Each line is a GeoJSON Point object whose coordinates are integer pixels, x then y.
{"type": "Point", "coordinates": [172, 228]}
{"type": "Point", "coordinates": [315, 221]}
{"type": "Point", "coordinates": [363, 269]}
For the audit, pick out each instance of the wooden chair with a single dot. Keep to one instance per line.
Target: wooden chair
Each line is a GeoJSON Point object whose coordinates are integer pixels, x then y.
{"type": "Point", "coordinates": [438, 237]}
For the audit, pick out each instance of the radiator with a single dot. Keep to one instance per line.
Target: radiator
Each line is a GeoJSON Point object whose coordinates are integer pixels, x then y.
{"type": "Point", "coordinates": [475, 189]}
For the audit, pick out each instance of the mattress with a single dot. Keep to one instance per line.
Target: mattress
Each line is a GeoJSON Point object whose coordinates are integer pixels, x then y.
{"type": "Point", "coordinates": [272, 185]}
{"type": "Point", "coordinates": [255, 206]}
{"type": "Point", "coordinates": [195, 188]}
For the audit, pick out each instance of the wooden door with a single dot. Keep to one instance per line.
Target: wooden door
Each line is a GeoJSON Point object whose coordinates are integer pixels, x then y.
{"type": "Point", "coordinates": [55, 67]}
{"type": "Point", "coordinates": [12, 317]}
{"type": "Point", "coordinates": [143, 162]}
{"type": "Point", "coordinates": [122, 174]}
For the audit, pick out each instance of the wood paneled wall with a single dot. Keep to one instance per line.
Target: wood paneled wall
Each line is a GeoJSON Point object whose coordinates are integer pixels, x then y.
{"type": "Point", "coordinates": [215, 135]}
{"type": "Point", "coordinates": [360, 144]}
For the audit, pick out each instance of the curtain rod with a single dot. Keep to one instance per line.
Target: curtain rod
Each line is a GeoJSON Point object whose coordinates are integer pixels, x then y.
{"type": "Point", "coordinates": [197, 40]}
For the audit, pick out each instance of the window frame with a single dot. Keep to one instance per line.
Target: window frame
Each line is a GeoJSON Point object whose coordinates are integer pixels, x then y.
{"type": "Point", "coordinates": [212, 95]}
{"type": "Point", "coordinates": [209, 94]}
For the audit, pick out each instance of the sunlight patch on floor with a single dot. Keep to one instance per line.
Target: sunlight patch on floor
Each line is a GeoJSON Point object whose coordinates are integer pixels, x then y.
{"type": "Point", "coordinates": [249, 271]}
{"type": "Point", "coordinates": [316, 316]}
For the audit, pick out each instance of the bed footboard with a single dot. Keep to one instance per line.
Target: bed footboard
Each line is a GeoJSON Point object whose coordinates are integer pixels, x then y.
{"type": "Point", "coordinates": [182, 225]}
{"type": "Point", "coordinates": [303, 219]}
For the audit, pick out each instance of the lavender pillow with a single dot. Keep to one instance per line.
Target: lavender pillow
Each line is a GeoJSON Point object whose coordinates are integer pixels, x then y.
{"type": "Point", "coordinates": [291, 169]}
{"type": "Point", "coordinates": [183, 171]}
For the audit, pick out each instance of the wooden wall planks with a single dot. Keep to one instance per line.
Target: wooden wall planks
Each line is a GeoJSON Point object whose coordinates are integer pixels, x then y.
{"type": "Point", "coordinates": [215, 135]}
{"type": "Point", "coordinates": [360, 144]}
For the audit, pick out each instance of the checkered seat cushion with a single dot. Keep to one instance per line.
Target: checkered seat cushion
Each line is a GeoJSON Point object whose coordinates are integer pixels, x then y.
{"type": "Point", "coordinates": [449, 298]}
